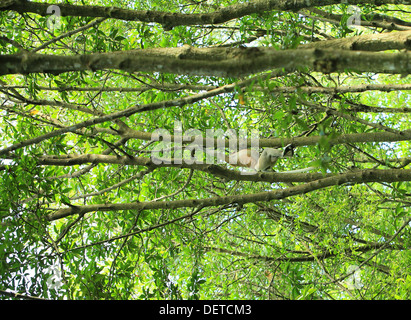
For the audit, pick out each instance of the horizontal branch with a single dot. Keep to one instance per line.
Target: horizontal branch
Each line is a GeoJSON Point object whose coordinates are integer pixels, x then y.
{"type": "Point", "coordinates": [155, 86]}
{"type": "Point", "coordinates": [340, 89]}
{"type": "Point", "coordinates": [271, 142]}
{"type": "Point", "coordinates": [220, 62]}
{"type": "Point", "coordinates": [280, 142]}
{"type": "Point", "coordinates": [304, 257]}
{"type": "Point", "coordinates": [198, 87]}
{"type": "Point", "coordinates": [17, 295]}
{"type": "Point", "coordinates": [369, 42]}
{"type": "Point", "coordinates": [217, 170]}
{"type": "Point", "coordinates": [172, 19]}
{"type": "Point", "coordinates": [373, 19]}
{"type": "Point", "coordinates": [350, 177]}
{"type": "Point", "coordinates": [75, 159]}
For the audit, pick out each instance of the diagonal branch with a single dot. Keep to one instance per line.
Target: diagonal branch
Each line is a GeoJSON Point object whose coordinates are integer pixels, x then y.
{"type": "Point", "coordinates": [355, 177]}
{"type": "Point", "coordinates": [117, 115]}
{"type": "Point", "coordinates": [68, 34]}
{"type": "Point", "coordinates": [180, 102]}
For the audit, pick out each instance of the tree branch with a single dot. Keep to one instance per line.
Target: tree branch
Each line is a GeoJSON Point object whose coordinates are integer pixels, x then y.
{"type": "Point", "coordinates": [356, 177]}
{"type": "Point", "coordinates": [221, 62]}
{"type": "Point", "coordinates": [170, 20]}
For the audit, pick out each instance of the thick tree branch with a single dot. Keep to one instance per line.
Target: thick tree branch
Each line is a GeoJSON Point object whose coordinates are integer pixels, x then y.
{"type": "Point", "coordinates": [369, 42]}
{"type": "Point", "coordinates": [350, 177]}
{"type": "Point", "coordinates": [217, 170]}
{"type": "Point", "coordinates": [171, 19]}
{"type": "Point", "coordinates": [280, 142]}
{"type": "Point", "coordinates": [368, 20]}
{"type": "Point", "coordinates": [221, 62]}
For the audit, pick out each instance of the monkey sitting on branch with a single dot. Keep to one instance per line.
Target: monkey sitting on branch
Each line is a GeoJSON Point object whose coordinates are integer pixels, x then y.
{"type": "Point", "coordinates": [264, 161]}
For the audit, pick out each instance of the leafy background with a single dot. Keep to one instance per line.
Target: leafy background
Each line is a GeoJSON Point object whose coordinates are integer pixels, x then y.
{"type": "Point", "coordinates": [303, 247]}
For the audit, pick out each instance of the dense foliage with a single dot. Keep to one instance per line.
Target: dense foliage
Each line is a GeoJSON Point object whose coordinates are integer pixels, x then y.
{"type": "Point", "coordinates": [86, 214]}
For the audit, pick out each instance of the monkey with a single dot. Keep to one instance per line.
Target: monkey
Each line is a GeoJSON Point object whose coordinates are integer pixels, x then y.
{"type": "Point", "coordinates": [264, 162]}
{"type": "Point", "coordinates": [269, 157]}
{"type": "Point", "coordinates": [242, 158]}
{"type": "Point", "coordinates": [260, 163]}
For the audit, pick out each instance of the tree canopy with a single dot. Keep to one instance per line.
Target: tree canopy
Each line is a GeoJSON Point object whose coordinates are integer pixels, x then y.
{"type": "Point", "coordinates": [109, 190]}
